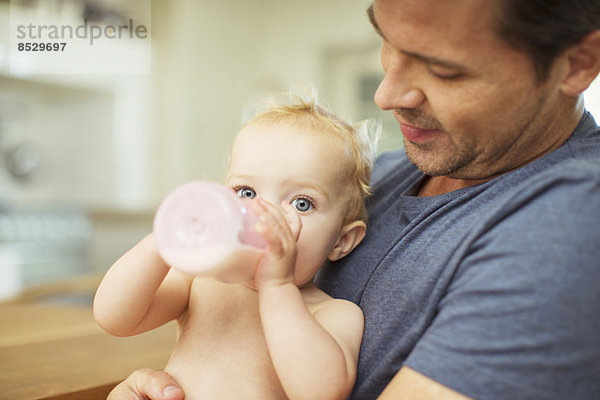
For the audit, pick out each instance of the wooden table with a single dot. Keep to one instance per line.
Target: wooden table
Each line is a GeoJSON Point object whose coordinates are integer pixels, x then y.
{"type": "Point", "coordinates": [58, 352]}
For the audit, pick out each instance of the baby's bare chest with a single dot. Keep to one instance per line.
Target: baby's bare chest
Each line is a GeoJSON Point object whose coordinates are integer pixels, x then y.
{"type": "Point", "coordinates": [221, 352]}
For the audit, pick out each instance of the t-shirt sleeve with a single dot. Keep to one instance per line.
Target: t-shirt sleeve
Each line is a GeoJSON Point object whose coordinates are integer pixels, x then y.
{"type": "Point", "coordinates": [521, 317]}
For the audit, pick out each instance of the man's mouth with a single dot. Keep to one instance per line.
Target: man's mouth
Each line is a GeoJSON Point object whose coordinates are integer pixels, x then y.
{"type": "Point", "coordinates": [416, 134]}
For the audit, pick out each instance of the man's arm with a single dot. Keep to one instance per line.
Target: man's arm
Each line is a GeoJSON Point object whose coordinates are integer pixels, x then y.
{"type": "Point", "coordinates": [409, 384]}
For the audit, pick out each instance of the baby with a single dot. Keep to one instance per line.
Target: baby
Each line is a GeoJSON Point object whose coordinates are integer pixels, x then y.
{"type": "Point", "coordinates": [277, 336]}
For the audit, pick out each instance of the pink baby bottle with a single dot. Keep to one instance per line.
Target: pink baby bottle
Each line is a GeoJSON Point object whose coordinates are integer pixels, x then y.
{"type": "Point", "coordinates": [204, 228]}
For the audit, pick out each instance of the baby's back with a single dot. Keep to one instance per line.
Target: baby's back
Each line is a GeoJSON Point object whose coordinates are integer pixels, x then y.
{"type": "Point", "coordinates": [221, 351]}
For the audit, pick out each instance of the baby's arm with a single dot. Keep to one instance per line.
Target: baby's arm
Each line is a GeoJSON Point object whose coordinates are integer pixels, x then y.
{"type": "Point", "coordinates": [140, 292]}
{"type": "Point", "coordinates": [315, 356]}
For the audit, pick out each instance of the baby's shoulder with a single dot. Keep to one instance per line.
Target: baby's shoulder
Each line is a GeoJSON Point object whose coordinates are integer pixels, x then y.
{"type": "Point", "coordinates": [322, 304]}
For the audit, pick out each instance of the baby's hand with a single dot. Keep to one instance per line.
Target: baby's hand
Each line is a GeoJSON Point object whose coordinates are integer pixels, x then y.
{"type": "Point", "coordinates": [281, 231]}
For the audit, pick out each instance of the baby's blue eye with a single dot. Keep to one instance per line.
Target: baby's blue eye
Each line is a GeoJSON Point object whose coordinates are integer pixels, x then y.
{"type": "Point", "coordinates": [246, 192]}
{"type": "Point", "coordinates": [302, 204]}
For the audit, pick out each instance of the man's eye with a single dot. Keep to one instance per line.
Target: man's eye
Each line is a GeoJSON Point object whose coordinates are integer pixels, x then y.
{"type": "Point", "coordinates": [443, 73]}
{"type": "Point", "coordinates": [301, 204]}
{"type": "Point", "coordinates": [246, 192]}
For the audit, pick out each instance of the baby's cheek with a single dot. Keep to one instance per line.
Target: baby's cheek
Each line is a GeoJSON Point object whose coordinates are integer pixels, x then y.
{"type": "Point", "coordinates": [314, 251]}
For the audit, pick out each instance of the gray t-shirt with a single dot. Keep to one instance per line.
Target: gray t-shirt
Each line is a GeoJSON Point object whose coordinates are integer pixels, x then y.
{"type": "Point", "coordinates": [492, 290]}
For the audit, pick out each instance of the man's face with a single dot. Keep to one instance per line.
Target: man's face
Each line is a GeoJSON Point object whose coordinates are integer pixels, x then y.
{"type": "Point", "coordinates": [469, 105]}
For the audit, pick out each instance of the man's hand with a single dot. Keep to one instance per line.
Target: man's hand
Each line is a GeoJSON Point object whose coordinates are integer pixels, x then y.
{"type": "Point", "coordinates": [147, 384]}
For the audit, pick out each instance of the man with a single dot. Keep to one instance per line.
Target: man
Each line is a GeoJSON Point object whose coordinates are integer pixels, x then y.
{"type": "Point", "coordinates": [480, 275]}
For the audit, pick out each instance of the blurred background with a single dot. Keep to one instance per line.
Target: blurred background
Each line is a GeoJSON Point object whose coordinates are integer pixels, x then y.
{"type": "Point", "coordinates": [86, 158]}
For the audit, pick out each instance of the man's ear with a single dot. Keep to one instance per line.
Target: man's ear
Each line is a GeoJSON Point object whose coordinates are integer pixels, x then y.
{"type": "Point", "coordinates": [350, 236]}
{"type": "Point", "coordinates": [583, 64]}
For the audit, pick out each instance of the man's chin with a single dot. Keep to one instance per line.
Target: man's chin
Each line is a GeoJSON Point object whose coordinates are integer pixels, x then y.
{"type": "Point", "coordinates": [433, 163]}
{"type": "Point", "coordinates": [429, 167]}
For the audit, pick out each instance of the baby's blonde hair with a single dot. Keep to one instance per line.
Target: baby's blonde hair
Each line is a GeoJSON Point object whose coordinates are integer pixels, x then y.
{"type": "Point", "coordinates": [361, 139]}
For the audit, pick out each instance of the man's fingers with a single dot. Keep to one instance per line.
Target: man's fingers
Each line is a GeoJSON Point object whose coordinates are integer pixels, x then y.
{"type": "Point", "coordinates": [147, 384]}
{"type": "Point", "coordinates": [160, 384]}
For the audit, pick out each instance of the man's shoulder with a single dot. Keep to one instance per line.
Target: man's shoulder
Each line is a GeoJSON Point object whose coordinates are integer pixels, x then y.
{"type": "Point", "coordinates": [560, 202]}
{"type": "Point", "coordinates": [570, 172]}
{"type": "Point", "coordinates": [569, 179]}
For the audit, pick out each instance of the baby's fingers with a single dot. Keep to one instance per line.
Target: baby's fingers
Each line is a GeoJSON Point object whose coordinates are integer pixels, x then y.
{"type": "Point", "coordinates": [293, 219]}
{"type": "Point", "coordinates": [272, 226]}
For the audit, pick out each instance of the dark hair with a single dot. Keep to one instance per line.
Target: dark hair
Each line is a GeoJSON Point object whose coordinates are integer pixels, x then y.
{"type": "Point", "coordinates": [543, 29]}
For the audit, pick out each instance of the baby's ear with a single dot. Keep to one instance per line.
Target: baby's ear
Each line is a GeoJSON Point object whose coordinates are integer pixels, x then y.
{"type": "Point", "coordinates": [350, 236]}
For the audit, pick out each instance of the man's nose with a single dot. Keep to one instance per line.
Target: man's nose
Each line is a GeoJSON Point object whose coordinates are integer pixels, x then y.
{"type": "Point", "coordinates": [397, 90]}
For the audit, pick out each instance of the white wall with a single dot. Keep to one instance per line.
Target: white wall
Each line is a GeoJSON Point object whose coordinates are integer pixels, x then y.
{"type": "Point", "coordinates": [212, 58]}
{"type": "Point", "coordinates": [592, 99]}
